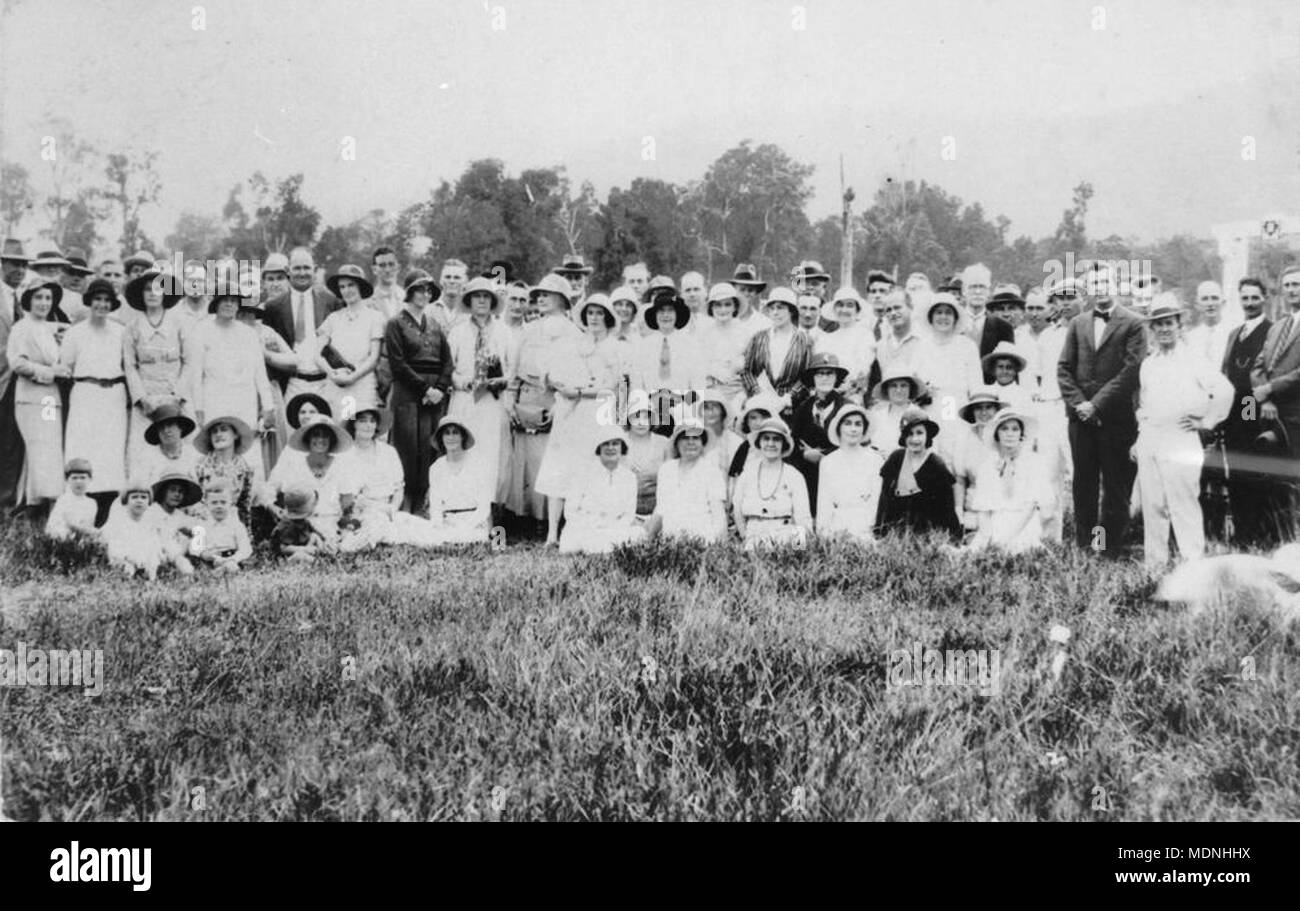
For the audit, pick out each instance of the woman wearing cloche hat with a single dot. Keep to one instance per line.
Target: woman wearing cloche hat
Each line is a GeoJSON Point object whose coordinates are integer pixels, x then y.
{"type": "Point", "coordinates": [1014, 495]}
{"type": "Point", "coordinates": [348, 344]}
{"type": "Point", "coordinates": [692, 491]}
{"type": "Point", "coordinates": [600, 514]}
{"type": "Point", "coordinates": [770, 504]}
{"type": "Point", "coordinates": [848, 489]}
{"type": "Point", "coordinates": [916, 486]}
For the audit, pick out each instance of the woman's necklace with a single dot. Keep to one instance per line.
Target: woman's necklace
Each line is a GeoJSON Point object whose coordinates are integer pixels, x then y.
{"type": "Point", "coordinates": [318, 469]}
{"type": "Point", "coordinates": [775, 487]}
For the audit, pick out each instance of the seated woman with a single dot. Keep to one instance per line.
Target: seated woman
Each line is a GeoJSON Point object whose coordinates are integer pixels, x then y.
{"type": "Point", "coordinates": [692, 490]}
{"type": "Point", "coordinates": [646, 452]}
{"type": "Point", "coordinates": [1005, 363]}
{"type": "Point", "coordinates": [758, 409]}
{"type": "Point", "coordinates": [167, 450]}
{"type": "Point", "coordinates": [323, 470]}
{"type": "Point", "coordinates": [916, 488]}
{"type": "Point", "coordinates": [601, 512]}
{"type": "Point", "coordinates": [968, 449]}
{"type": "Point", "coordinates": [223, 442]}
{"type": "Point", "coordinates": [824, 377]}
{"type": "Point", "coordinates": [461, 488]}
{"type": "Point", "coordinates": [848, 492]}
{"type": "Point", "coordinates": [1014, 494]}
{"type": "Point", "coordinates": [894, 396]}
{"type": "Point", "coordinates": [378, 483]}
{"type": "Point", "coordinates": [770, 504]}
{"type": "Point", "coordinates": [721, 442]}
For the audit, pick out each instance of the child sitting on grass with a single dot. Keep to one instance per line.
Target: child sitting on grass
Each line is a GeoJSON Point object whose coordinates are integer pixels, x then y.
{"type": "Point", "coordinates": [294, 536]}
{"type": "Point", "coordinates": [173, 492]}
{"type": "Point", "coordinates": [131, 535]}
{"type": "Point", "coordinates": [74, 511]}
{"type": "Point", "coordinates": [222, 542]}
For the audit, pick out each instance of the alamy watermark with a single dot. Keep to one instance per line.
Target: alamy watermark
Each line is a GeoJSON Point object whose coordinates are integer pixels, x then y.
{"type": "Point", "coordinates": [921, 666]}
{"type": "Point", "coordinates": [28, 666]}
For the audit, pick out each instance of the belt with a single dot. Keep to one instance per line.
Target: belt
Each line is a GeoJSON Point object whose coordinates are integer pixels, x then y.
{"type": "Point", "coordinates": [424, 366]}
{"type": "Point", "coordinates": [468, 509]}
{"type": "Point", "coordinates": [309, 377]}
{"type": "Point", "coordinates": [784, 520]}
{"type": "Point", "coordinates": [99, 382]}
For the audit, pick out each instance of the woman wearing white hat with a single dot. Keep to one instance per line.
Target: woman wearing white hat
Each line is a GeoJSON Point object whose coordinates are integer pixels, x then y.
{"type": "Point", "coordinates": [692, 492]}
{"type": "Point", "coordinates": [585, 374]}
{"type": "Point", "coordinates": [646, 451]}
{"type": "Point", "coordinates": [966, 451]}
{"type": "Point", "coordinates": [723, 340]}
{"type": "Point", "coordinates": [776, 358]}
{"type": "Point", "coordinates": [1005, 364]}
{"type": "Point", "coordinates": [1014, 494]}
{"type": "Point", "coordinates": [377, 483]}
{"type": "Point", "coordinates": [848, 491]}
{"type": "Point", "coordinates": [947, 360]}
{"type": "Point", "coordinates": [324, 470]}
{"type": "Point", "coordinates": [715, 415]}
{"type": "Point", "coordinates": [770, 505]}
{"type": "Point", "coordinates": [892, 397]}
{"type": "Point", "coordinates": [854, 343]}
{"type": "Point", "coordinates": [482, 362]}
{"type": "Point", "coordinates": [600, 512]}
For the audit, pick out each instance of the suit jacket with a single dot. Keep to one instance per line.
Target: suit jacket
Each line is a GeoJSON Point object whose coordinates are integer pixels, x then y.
{"type": "Point", "coordinates": [1105, 374]}
{"type": "Point", "coordinates": [996, 329]}
{"type": "Point", "coordinates": [1278, 364]}
{"type": "Point", "coordinates": [279, 311]}
{"type": "Point", "coordinates": [1238, 361]}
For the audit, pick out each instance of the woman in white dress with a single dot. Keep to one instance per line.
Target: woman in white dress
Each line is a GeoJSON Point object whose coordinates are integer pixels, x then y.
{"type": "Point", "coordinates": [33, 351]}
{"type": "Point", "coordinates": [352, 334]}
{"type": "Point", "coordinates": [600, 513]}
{"type": "Point", "coordinates": [97, 422]}
{"type": "Point", "coordinates": [848, 490]}
{"type": "Point", "coordinates": [585, 376]}
{"type": "Point", "coordinates": [324, 470]}
{"type": "Point", "coordinates": [947, 361]}
{"type": "Point", "coordinates": [1005, 364]}
{"type": "Point", "coordinates": [481, 355]}
{"type": "Point", "coordinates": [723, 341]}
{"type": "Point", "coordinates": [377, 484]}
{"type": "Point", "coordinates": [853, 343]}
{"type": "Point", "coordinates": [228, 370]}
{"type": "Point", "coordinates": [770, 504]}
{"type": "Point", "coordinates": [460, 489]}
{"type": "Point", "coordinates": [1014, 496]}
{"type": "Point", "coordinates": [968, 449]}
{"type": "Point", "coordinates": [722, 443]}
{"type": "Point", "coordinates": [692, 489]}
{"type": "Point", "coordinates": [893, 396]}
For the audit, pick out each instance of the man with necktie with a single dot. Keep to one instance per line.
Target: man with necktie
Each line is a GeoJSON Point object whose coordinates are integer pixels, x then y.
{"type": "Point", "coordinates": [296, 316]}
{"type": "Point", "coordinates": [1098, 375]}
{"type": "Point", "coordinates": [986, 330]}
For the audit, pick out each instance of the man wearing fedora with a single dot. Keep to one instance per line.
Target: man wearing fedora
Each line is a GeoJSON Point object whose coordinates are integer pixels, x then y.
{"type": "Point", "coordinates": [986, 330]}
{"type": "Point", "coordinates": [1248, 492]}
{"type": "Point", "coordinates": [13, 264]}
{"type": "Point", "coordinates": [575, 270]}
{"type": "Point", "coordinates": [296, 316]}
{"type": "Point", "coordinates": [1180, 395]}
{"type": "Point", "coordinates": [50, 266]}
{"type": "Point", "coordinates": [1275, 379]}
{"type": "Point", "coordinates": [1098, 375]}
{"type": "Point", "coordinates": [74, 277]}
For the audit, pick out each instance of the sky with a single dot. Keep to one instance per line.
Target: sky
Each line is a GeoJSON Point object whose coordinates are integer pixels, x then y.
{"type": "Point", "coordinates": [1182, 113]}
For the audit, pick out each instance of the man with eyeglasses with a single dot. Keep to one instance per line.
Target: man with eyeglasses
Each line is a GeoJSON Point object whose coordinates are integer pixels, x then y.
{"type": "Point", "coordinates": [1248, 494]}
{"type": "Point", "coordinates": [1276, 381]}
{"type": "Point", "coordinates": [389, 296]}
{"type": "Point", "coordinates": [1098, 375]}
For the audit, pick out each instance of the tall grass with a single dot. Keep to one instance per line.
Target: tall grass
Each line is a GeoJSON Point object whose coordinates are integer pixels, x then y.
{"type": "Point", "coordinates": [663, 681]}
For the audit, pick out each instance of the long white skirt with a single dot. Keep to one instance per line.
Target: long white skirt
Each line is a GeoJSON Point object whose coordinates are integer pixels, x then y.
{"type": "Point", "coordinates": [487, 421]}
{"type": "Point", "coordinates": [97, 426]}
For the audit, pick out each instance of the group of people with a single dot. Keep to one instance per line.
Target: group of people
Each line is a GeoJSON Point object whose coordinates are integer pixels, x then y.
{"type": "Point", "coordinates": [183, 417]}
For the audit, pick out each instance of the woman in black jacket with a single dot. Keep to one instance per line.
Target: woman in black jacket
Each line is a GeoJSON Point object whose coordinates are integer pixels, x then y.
{"type": "Point", "coordinates": [916, 494]}
{"type": "Point", "coordinates": [814, 415]}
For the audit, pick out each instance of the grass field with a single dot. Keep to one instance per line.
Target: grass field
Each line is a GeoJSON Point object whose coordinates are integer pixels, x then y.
{"type": "Point", "coordinates": [662, 682]}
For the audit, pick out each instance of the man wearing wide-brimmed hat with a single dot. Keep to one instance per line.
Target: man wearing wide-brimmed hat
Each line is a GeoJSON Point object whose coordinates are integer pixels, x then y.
{"type": "Point", "coordinates": [749, 288]}
{"type": "Point", "coordinates": [1179, 395]}
{"type": "Point", "coordinates": [13, 263]}
{"type": "Point", "coordinates": [575, 269]}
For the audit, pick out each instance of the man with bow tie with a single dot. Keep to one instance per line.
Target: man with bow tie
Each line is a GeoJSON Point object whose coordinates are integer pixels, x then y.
{"type": "Point", "coordinates": [1098, 375]}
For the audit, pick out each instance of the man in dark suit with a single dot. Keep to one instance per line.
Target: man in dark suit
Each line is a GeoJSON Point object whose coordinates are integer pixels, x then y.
{"type": "Point", "coordinates": [1247, 492]}
{"type": "Point", "coordinates": [986, 330]}
{"type": "Point", "coordinates": [1098, 375]}
{"type": "Point", "coordinates": [296, 316]}
{"type": "Point", "coordinates": [1275, 379]}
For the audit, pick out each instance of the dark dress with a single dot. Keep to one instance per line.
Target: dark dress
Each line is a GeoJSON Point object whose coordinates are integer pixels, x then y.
{"type": "Point", "coordinates": [810, 428]}
{"type": "Point", "coordinates": [929, 510]}
{"type": "Point", "coordinates": [420, 359]}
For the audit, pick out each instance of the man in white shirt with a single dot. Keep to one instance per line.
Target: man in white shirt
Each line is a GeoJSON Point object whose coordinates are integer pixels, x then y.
{"type": "Point", "coordinates": [696, 297]}
{"type": "Point", "coordinates": [446, 310]}
{"type": "Point", "coordinates": [1179, 395]}
{"type": "Point", "coordinates": [1040, 338]}
{"type": "Point", "coordinates": [1209, 339]}
{"type": "Point", "coordinates": [899, 340]}
{"type": "Point", "coordinates": [389, 297]}
{"type": "Point", "coordinates": [810, 311]}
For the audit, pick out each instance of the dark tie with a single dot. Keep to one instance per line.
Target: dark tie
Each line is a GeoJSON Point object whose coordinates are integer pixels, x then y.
{"type": "Point", "coordinates": [1103, 315]}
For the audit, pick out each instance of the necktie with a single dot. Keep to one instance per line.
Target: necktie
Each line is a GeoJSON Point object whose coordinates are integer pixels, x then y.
{"type": "Point", "coordinates": [663, 360]}
{"type": "Point", "coordinates": [299, 318]}
{"type": "Point", "coordinates": [1103, 315]}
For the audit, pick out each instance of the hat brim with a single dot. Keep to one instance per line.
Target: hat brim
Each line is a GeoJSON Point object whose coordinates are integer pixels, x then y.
{"type": "Point", "coordinates": [25, 302]}
{"type": "Point", "coordinates": [243, 433]}
{"type": "Point", "coordinates": [679, 305]}
{"type": "Point", "coordinates": [833, 431]}
{"type": "Point", "coordinates": [464, 299]}
{"type": "Point", "coordinates": [682, 430]}
{"type": "Point", "coordinates": [342, 442]}
{"type": "Point", "coordinates": [789, 305]}
{"type": "Point", "coordinates": [881, 394]}
{"type": "Point", "coordinates": [292, 409]}
{"type": "Point", "coordinates": [566, 296]}
{"type": "Point", "coordinates": [367, 289]}
{"type": "Point", "coordinates": [734, 301]}
{"type": "Point", "coordinates": [787, 447]}
{"type": "Point", "coordinates": [193, 492]}
{"type": "Point", "coordinates": [385, 421]}
{"type": "Point", "coordinates": [927, 422]}
{"type": "Point", "coordinates": [573, 270]}
{"type": "Point", "coordinates": [435, 292]}
{"type": "Point", "coordinates": [612, 439]}
{"type": "Point", "coordinates": [1028, 428]}
{"type": "Point", "coordinates": [467, 435]}
{"type": "Point", "coordinates": [988, 360]}
{"type": "Point", "coordinates": [967, 412]}
{"type": "Point", "coordinates": [153, 432]}
{"type": "Point", "coordinates": [752, 284]}
{"type": "Point", "coordinates": [611, 320]}
{"type": "Point", "coordinates": [808, 375]}
{"type": "Point", "coordinates": [134, 292]}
